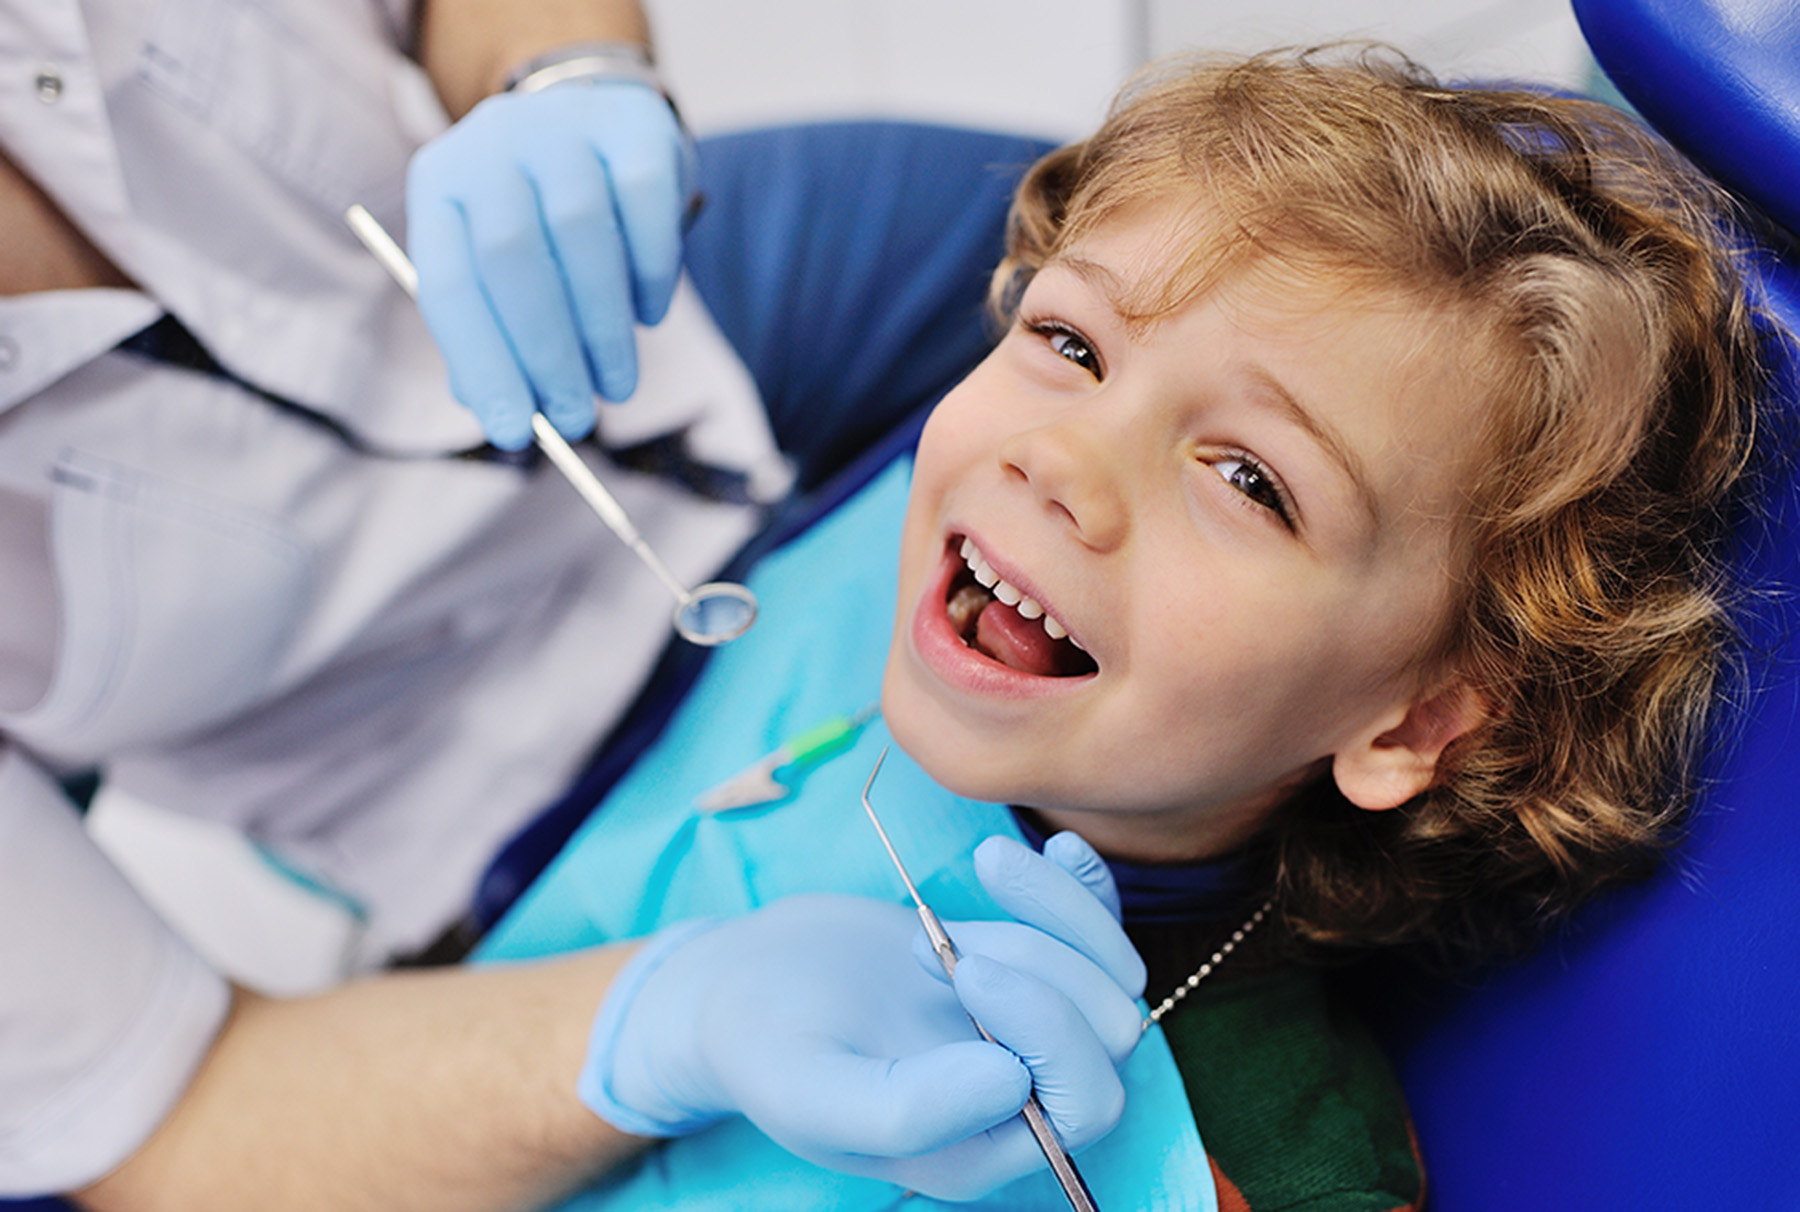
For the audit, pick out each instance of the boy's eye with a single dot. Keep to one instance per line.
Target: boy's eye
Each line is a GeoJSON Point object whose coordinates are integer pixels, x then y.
{"type": "Point", "coordinates": [1254, 481]}
{"type": "Point", "coordinates": [1077, 351]}
{"type": "Point", "coordinates": [1067, 343]}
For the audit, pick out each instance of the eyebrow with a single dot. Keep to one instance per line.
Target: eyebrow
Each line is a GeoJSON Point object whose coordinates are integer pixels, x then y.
{"type": "Point", "coordinates": [1093, 275]}
{"type": "Point", "coordinates": [1328, 439]}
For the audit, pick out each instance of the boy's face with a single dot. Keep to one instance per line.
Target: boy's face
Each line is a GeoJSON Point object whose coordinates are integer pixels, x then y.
{"type": "Point", "coordinates": [1243, 514]}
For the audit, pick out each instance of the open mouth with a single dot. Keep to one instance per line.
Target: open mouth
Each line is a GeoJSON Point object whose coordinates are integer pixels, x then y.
{"type": "Point", "coordinates": [999, 621]}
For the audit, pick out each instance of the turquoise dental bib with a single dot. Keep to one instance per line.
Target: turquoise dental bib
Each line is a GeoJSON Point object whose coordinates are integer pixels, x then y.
{"type": "Point", "coordinates": [649, 858]}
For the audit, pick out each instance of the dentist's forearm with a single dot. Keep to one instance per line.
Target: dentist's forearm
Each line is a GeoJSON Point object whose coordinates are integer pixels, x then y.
{"type": "Point", "coordinates": [451, 1090]}
{"type": "Point", "coordinates": [468, 46]}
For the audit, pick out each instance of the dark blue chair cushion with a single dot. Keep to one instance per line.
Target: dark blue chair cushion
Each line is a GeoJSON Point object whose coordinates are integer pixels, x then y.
{"type": "Point", "coordinates": [848, 264]}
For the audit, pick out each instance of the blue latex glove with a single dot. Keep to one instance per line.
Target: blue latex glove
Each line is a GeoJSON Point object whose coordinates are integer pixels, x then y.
{"type": "Point", "coordinates": [543, 225]}
{"type": "Point", "coordinates": [814, 1018]}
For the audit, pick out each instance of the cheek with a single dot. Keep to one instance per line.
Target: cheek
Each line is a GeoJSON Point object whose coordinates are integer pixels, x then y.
{"type": "Point", "coordinates": [940, 460]}
{"type": "Point", "coordinates": [956, 454]}
{"type": "Point", "coordinates": [965, 420]}
{"type": "Point", "coordinates": [991, 402]}
{"type": "Point", "coordinates": [1256, 667]}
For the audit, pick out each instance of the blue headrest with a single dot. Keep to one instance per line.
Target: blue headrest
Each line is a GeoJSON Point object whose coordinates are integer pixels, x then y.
{"type": "Point", "coordinates": [1719, 78]}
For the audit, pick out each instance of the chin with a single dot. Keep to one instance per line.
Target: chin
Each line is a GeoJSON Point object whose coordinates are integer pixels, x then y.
{"type": "Point", "coordinates": [944, 747]}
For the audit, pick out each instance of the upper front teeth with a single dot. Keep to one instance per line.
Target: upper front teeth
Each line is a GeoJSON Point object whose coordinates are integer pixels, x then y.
{"type": "Point", "coordinates": [1009, 593]}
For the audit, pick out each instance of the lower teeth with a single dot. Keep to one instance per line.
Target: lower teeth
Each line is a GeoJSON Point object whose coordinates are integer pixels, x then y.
{"type": "Point", "coordinates": [968, 598]}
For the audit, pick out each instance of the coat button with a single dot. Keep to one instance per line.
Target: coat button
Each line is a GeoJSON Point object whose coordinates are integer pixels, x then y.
{"type": "Point", "coordinates": [49, 85]}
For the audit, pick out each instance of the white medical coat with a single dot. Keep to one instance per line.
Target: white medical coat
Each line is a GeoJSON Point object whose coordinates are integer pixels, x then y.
{"type": "Point", "coordinates": [377, 666]}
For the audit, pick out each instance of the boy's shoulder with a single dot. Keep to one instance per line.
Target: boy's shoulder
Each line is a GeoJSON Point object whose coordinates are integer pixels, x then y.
{"type": "Point", "coordinates": [1294, 1098]}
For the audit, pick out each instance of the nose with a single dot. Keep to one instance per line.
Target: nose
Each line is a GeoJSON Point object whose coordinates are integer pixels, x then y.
{"type": "Point", "coordinates": [1074, 472]}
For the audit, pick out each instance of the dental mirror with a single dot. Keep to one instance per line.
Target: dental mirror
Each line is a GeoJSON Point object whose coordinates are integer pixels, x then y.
{"type": "Point", "coordinates": [710, 614]}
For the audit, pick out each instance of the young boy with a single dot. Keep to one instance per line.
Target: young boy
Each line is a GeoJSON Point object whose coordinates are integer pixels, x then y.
{"type": "Point", "coordinates": [1333, 541]}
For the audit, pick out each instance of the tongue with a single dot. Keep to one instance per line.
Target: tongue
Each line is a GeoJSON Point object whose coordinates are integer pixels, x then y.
{"type": "Point", "coordinates": [1014, 640]}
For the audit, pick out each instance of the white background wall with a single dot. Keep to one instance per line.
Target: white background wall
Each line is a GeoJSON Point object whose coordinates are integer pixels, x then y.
{"type": "Point", "coordinates": [1047, 67]}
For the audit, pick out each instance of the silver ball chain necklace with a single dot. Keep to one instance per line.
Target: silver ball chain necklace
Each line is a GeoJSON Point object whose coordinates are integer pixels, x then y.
{"type": "Point", "coordinates": [1210, 966]}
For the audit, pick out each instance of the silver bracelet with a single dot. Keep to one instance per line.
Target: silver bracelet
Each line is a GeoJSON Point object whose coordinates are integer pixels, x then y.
{"type": "Point", "coordinates": [595, 61]}
{"type": "Point", "coordinates": [586, 61]}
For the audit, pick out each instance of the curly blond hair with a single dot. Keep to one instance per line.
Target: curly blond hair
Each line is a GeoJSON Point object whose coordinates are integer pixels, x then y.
{"type": "Point", "coordinates": [1623, 367]}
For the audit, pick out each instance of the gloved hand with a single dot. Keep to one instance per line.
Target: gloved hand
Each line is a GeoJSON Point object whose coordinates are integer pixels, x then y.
{"type": "Point", "coordinates": [814, 1018]}
{"type": "Point", "coordinates": [542, 225]}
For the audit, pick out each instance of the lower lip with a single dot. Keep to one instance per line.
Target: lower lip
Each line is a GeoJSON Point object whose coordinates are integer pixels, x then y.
{"type": "Point", "coordinates": [941, 650]}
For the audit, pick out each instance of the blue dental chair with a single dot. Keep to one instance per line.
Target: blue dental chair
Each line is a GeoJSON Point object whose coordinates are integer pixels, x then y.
{"type": "Point", "coordinates": [1647, 1058]}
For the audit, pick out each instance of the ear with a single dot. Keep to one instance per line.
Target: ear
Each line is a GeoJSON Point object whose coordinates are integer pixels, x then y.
{"type": "Point", "coordinates": [1398, 759]}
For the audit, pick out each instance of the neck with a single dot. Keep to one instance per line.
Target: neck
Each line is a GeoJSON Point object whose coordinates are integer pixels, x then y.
{"type": "Point", "coordinates": [1180, 835]}
{"type": "Point", "coordinates": [1161, 892]}
{"type": "Point", "coordinates": [1158, 837]}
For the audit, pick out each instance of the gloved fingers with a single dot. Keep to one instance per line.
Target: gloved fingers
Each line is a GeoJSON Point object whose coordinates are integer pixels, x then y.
{"type": "Point", "coordinates": [646, 156]}
{"type": "Point", "coordinates": [484, 374]}
{"type": "Point", "coordinates": [841, 1102]}
{"type": "Point", "coordinates": [575, 195]}
{"type": "Point", "coordinates": [1111, 1012]}
{"type": "Point", "coordinates": [1071, 852]}
{"type": "Point", "coordinates": [529, 298]}
{"type": "Point", "coordinates": [542, 225]}
{"type": "Point", "coordinates": [1040, 892]}
{"type": "Point", "coordinates": [1072, 1073]}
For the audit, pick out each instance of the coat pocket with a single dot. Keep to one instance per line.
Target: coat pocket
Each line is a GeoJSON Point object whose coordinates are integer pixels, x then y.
{"type": "Point", "coordinates": [176, 608]}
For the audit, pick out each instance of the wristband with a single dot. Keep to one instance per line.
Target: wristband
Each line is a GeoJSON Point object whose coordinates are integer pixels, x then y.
{"type": "Point", "coordinates": [598, 62]}
{"type": "Point", "coordinates": [586, 61]}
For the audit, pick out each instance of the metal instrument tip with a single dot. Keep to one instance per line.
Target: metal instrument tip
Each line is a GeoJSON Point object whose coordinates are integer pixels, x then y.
{"type": "Point", "coordinates": [882, 833]}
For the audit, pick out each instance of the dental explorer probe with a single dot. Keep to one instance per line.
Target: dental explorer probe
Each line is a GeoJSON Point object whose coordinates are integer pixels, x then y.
{"type": "Point", "coordinates": [710, 614]}
{"type": "Point", "coordinates": [1061, 1164]}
